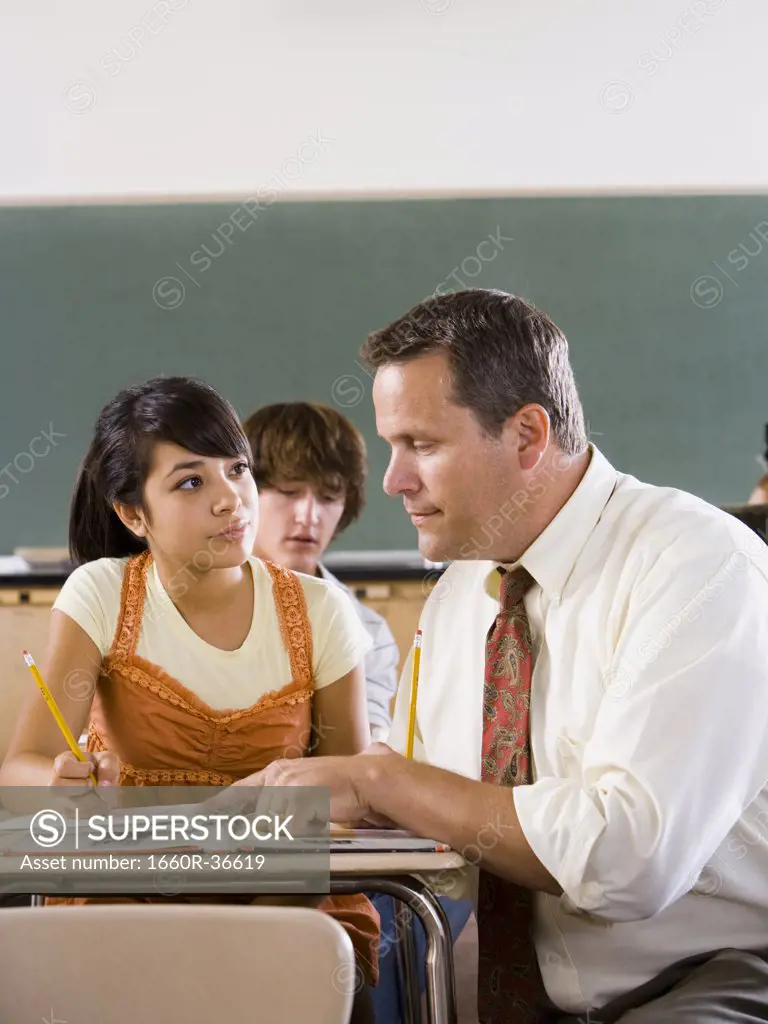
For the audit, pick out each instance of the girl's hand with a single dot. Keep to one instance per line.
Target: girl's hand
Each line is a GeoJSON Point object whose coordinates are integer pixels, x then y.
{"type": "Point", "coordinates": [68, 771]}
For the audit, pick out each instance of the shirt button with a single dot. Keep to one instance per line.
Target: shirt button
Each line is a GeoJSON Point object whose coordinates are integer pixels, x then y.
{"type": "Point", "coordinates": [553, 959]}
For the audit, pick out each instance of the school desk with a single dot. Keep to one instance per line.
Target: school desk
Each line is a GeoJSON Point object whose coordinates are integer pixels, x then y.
{"type": "Point", "coordinates": [405, 876]}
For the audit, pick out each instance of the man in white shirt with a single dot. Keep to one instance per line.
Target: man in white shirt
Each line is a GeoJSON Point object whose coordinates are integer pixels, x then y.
{"type": "Point", "coordinates": [642, 831]}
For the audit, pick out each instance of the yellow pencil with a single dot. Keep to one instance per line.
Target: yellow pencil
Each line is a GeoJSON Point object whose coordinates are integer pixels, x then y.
{"type": "Point", "coordinates": [60, 721]}
{"type": "Point", "coordinates": [414, 694]}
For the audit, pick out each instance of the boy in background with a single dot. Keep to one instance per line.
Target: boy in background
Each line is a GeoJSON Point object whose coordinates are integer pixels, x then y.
{"type": "Point", "coordinates": [310, 468]}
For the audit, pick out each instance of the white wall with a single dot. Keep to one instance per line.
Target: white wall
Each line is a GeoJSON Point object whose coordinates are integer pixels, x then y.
{"type": "Point", "coordinates": [215, 96]}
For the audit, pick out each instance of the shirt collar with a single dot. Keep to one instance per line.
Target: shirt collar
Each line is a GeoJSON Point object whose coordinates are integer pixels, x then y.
{"type": "Point", "coordinates": [552, 556]}
{"type": "Point", "coordinates": [326, 574]}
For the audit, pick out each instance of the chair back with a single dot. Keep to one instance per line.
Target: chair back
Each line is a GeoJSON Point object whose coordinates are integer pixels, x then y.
{"type": "Point", "coordinates": [153, 963]}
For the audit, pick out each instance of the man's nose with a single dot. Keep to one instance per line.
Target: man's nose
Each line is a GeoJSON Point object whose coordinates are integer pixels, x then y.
{"type": "Point", "coordinates": [399, 478]}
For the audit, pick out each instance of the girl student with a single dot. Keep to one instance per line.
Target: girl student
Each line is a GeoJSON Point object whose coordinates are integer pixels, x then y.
{"type": "Point", "coordinates": [190, 660]}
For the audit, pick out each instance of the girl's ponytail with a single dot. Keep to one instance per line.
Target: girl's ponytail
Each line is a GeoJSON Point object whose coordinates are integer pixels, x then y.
{"type": "Point", "coordinates": [95, 530]}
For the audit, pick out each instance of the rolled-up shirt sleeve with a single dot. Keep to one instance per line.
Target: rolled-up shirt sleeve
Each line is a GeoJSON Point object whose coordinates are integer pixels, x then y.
{"type": "Point", "coordinates": [678, 750]}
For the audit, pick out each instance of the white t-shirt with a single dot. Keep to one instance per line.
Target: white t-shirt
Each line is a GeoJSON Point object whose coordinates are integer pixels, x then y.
{"type": "Point", "coordinates": [223, 679]}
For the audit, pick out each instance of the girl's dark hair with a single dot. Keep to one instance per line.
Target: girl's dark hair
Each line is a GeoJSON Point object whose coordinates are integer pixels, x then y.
{"type": "Point", "coordinates": [180, 410]}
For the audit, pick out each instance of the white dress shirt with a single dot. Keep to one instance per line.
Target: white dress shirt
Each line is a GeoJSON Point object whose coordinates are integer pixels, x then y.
{"type": "Point", "coordinates": [649, 728]}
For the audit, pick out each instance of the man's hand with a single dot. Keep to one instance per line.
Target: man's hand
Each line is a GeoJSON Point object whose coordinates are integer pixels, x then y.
{"type": "Point", "coordinates": [341, 775]}
{"type": "Point", "coordinates": [380, 787]}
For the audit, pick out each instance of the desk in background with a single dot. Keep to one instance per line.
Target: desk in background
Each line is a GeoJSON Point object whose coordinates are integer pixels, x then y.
{"type": "Point", "coordinates": [25, 613]}
{"type": "Point", "coordinates": [395, 584]}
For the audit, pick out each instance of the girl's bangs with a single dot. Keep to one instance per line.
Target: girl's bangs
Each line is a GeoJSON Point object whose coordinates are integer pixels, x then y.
{"type": "Point", "coordinates": [204, 424]}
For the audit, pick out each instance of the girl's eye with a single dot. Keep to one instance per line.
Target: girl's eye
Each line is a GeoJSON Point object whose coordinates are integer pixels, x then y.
{"type": "Point", "coordinates": [421, 448]}
{"type": "Point", "coordinates": [189, 480]}
{"type": "Point", "coordinates": [240, 468]}
{"type": "Point", "coordinates": [285, 492]}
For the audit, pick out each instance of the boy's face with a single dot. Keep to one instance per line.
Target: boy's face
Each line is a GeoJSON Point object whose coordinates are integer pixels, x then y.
{"type": "Point", "coordinates": [297, 522]}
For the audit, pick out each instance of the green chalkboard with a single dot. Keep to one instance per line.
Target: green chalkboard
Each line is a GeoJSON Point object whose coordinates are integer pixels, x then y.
{"type": "Point", "coordinates": [663, 299]}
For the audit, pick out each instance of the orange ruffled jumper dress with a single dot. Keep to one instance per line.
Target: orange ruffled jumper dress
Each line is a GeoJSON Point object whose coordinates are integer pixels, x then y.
{"type": "Point", "coordinates": [166, 736]}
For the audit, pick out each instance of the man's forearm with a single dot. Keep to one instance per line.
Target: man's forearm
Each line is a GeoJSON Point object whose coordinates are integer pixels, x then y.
{"type": "Point", "coordinates": [473, 818]}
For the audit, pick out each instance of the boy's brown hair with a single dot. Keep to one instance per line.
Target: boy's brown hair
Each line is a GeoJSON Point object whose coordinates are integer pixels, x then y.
{"type": "Point", "coordinates": [311, 443]}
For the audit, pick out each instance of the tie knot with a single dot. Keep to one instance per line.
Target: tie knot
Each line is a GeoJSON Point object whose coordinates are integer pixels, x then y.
{"type": "Point", "coordinates": [514, 585]}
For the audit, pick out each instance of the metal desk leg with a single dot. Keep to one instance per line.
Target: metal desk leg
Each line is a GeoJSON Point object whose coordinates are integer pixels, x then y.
{"type": "Point", "coordinates": [407, 965]}
{"type": "Point", "coordinates": [37, 901]}
{"type": "Point", "coordinates": [441, 982]}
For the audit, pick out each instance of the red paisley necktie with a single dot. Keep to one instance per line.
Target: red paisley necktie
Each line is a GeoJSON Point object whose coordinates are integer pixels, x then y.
{"type": "Point", "coordinates": [509, 981]}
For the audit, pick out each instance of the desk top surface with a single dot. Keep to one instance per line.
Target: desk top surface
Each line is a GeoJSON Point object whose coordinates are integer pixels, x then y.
{"type": "Point", "coordinates": [348, 566]}
{"type": "Point", "coordinates": [407, 862]}
{"type": "Point", "coordinates": [395, 863]}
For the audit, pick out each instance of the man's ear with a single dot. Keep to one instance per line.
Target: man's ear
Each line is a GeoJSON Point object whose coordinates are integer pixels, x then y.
{"type": "Point", "coordinates": [132, 518]}
{"type": "Point", "coordinates": [528, 431]}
